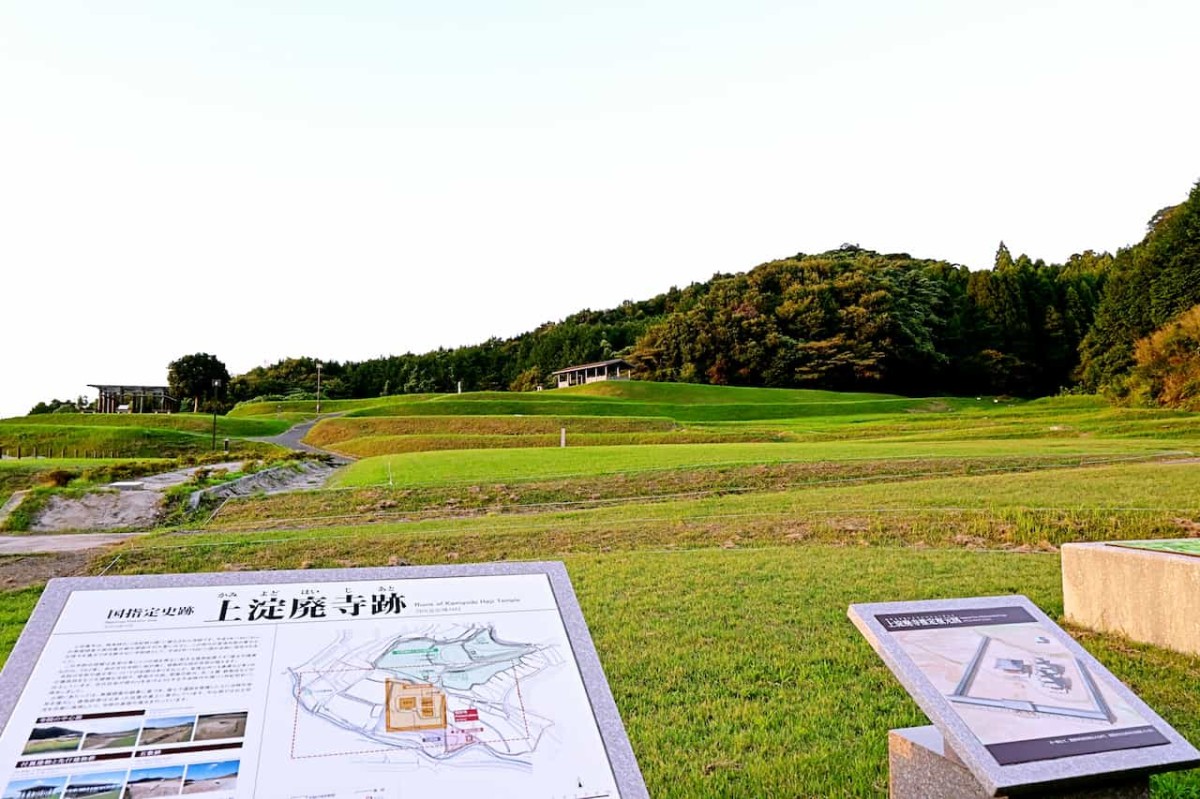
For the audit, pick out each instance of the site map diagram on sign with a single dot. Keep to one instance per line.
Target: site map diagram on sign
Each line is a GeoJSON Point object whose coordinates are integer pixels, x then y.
{"type": "Point", "coordinates": [1014, 682]}
{"type": "Point", "coordinates": [441, 692]}
{"type": "Point", "coordinates": [473, 682]}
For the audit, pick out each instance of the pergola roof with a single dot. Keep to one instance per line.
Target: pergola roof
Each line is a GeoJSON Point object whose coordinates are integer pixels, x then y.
{"type": "Point", "coordinates": [597, 364]}
{"type": "Point", "coordinates": [122, 388]}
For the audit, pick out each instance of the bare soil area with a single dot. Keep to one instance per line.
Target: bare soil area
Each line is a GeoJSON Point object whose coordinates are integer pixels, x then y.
{"type": "Point", "coordinates": [103, 510]}
{"type": "Point", "coordinates": [151, 789]}
{"type": "Point", "coordinates": [24, 571]}
{"type": "Point", "coordinates": [209, 786]}
{"type": "Point", "coordinates": [166, 735]}
{"type": "Point", "coordinates": [220, 725]}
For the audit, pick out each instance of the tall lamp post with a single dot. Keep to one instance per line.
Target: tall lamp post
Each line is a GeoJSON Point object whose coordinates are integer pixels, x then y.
{"type": "Point", "coordinates": [216, 392]}
{"type": "Point", "coordinates": [318, 388]}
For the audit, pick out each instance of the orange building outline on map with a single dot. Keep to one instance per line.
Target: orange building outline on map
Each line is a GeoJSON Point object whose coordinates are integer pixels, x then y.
{"type": "Point", "coordinates": [412, 707]}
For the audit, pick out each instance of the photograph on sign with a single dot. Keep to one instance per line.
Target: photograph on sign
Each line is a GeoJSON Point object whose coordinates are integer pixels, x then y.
{"type": "Point", "coordinates": [105, 785]}
{"type": "Point", "coordinates": [340, 690]}
{"type": "Point", "coordinates": [1010, 679]}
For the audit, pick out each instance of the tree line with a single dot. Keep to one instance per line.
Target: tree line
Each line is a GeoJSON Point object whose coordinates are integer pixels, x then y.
{"type": "Point", "coordinates": [847, 319]}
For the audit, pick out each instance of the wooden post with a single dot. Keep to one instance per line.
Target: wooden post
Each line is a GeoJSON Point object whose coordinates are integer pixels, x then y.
{"type": "Point", "coordinates": [562, 437]}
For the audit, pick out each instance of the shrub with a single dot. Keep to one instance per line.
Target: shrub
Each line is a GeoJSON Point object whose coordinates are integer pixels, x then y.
{"type": "Point", "coordinates": [1166, 371]}
{"type": "Point", "coordinates": [57, 478]}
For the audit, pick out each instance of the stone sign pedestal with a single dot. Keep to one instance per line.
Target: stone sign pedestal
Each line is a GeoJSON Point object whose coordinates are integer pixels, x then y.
{"type": "Point", "coordinates": [921, 766]}
{"type": "Point", "coordinates": [1153, 597]}
{"type": "Point", "coordinates": [1019, 708]}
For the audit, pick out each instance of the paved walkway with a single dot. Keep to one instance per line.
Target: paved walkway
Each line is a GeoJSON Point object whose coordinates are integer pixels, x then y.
{"type": "Point", "coordinates": [291, 439]}
{"type": "Point", "coordinates": [36, 544]}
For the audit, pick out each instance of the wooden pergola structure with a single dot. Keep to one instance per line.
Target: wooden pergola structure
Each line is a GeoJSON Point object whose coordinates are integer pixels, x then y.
{"type": "Point", "coordinates": [134, 399]}
{"type": "Point", "coordinates": [614, 369]}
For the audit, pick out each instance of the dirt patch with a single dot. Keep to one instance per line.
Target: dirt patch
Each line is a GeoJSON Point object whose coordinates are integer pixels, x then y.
{"type": "Point", "coordinates": [21, 572]}
{"type": "Point", "coordinates": [137, 509]}
{"type": "Point", "coordinates": [103, 510]}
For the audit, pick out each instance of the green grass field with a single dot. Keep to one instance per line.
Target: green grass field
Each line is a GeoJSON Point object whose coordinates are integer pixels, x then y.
{"type": "Point", "coordinates": [715, 576]}
{"type": "Point", "coordinates": [681, 402]}
{"type": "Point", "coordinates": [186, 422]}
{"type": "Point", "coordinates": [64, 744]}
{"type": "Point", "coordinates": [86, 440]}
{"type": "Point", "coordinates": [426, 468]}
{"type": "Point", "coordinates": [334, 430]}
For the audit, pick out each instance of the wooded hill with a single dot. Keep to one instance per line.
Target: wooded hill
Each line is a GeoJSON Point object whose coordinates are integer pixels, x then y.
{"type": "Point", "coordinates": [848, 319]}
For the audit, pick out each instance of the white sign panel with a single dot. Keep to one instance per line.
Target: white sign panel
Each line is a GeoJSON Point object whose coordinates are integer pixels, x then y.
{"type": "Point", "coordinates": [381, 688]}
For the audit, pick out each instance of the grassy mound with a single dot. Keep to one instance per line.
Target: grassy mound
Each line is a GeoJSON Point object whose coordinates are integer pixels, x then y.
{"type": "Point", "coordinates": [679, 401]}
{"type": "Point", "coordinates": [115, 442]}
{"type": "Point", "coordinates": [184, 422]}
{"type": "Point", "coordinates": [331, 431]}
{"type": "Point", "coordinates": [432, 468]}
{"type": "Point", "coordinates": [372, 446]}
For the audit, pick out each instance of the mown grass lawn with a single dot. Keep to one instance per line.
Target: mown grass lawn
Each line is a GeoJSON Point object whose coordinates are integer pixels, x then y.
{"type": "Point", "coordinates": [681, 402]}
{"type": "Point", "coordinates": [86, 440]}
{"type": "Point", "coordinates": [186, 422]}
{"type": "Point", "coordinates": [432, 468]}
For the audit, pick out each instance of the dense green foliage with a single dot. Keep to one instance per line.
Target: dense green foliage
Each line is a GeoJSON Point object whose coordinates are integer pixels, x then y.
{"type": "Point", "coordinates": [198, 376]}
{"type": "Point", "coordinates": [58, 406]}
{"type": "Point", "coordinates": [1151, 284]}
{"type": "Point", "coordinates": [855, 319]}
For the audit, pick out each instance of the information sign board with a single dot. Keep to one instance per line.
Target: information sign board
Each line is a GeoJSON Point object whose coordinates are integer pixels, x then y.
{"type": "Point", "coordinates": [1017, 699]}
{"type": "Point", "coordinates": [461, 681]}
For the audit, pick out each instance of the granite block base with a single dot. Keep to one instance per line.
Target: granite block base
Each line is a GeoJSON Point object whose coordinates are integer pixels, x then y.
{"type": "Point", "coordinates": [1148, 596]}
{"type": "Point", "coordinates": [921, 766]}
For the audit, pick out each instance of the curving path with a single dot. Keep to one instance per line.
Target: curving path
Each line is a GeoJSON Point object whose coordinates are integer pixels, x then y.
{"type": "Point", "coordinates": [292, 439]}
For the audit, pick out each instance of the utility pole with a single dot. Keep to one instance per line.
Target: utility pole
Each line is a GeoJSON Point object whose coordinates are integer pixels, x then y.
{"type": "Point", "coordinates": [216, 393]}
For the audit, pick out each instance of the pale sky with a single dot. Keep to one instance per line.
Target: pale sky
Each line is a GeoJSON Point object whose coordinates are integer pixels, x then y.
{"type": "Point", "coordinates": [344, 180]}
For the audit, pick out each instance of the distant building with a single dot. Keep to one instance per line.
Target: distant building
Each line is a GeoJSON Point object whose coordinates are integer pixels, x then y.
{"type": "Point", "coordinates": [616, 369]}
{"type": "Point", "coordinates": [134, 399]}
